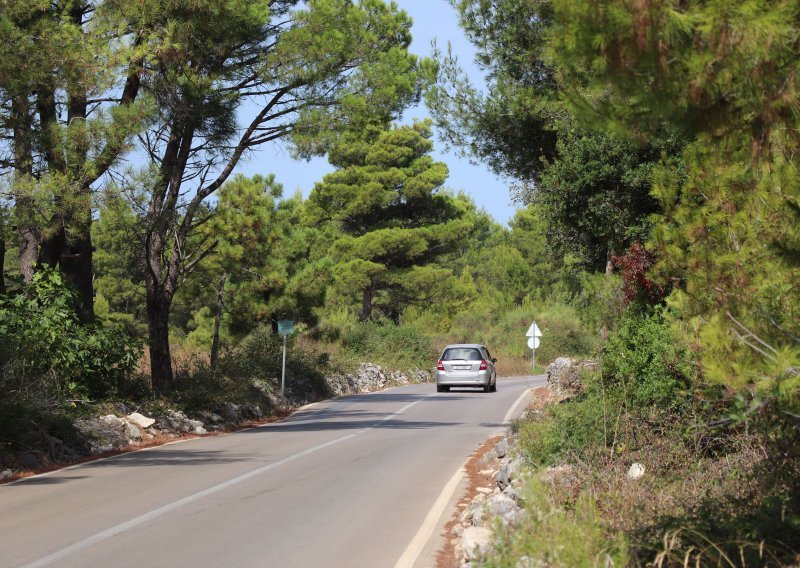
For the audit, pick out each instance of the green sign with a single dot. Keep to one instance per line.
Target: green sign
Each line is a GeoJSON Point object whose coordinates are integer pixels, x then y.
{"type": "Point", "coordinates": [285, 327]}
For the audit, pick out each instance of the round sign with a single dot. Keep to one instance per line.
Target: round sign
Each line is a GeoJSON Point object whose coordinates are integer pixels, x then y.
{"type": "Point", "coordinates": [533, 342]}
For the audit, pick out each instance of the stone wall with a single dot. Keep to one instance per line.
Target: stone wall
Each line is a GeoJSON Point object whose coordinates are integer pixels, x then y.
{"type": "Point", "coordinates": [564, 375]}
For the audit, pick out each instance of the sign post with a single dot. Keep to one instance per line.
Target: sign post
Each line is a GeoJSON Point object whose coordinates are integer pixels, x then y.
{"type": "Point", "coordinates": [533, 334]}
{"type": "Point", "coordinates": [285, 327]}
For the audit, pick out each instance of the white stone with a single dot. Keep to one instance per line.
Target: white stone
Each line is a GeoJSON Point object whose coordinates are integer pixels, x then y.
{"type": "Point", "coordinates": [132, 431]}
{"type": "Point", "coordinates": [501, 448]}
{"type": "Point", "coordinates": [112, 420]}
{"type": "Point", "coordinates": [500, 504]}
{"type": "Point", "coordinates": [140, 420]}
{"type": "Point", "coordinates": [636, 471]}
{"type": "Point", "coordinates": [476, 541]}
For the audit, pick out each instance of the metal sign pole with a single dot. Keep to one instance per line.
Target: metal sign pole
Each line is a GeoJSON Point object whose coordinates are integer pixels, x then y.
{"type": "Point", "coordinates": [285, 327]}
{"type": "Point", "coordinates": [283, 368]}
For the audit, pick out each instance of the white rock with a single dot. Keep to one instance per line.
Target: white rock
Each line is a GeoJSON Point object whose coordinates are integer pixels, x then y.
{"type": "Point", "coordinates": [485, 490]}
{"type": "Point", "coordinates": [636, 471]}
{"type": "Point", "coordinates": [140, 420]}
{"type": "Point", "coordinates": [6, 473]}
{"type": "Point", "coordinates": [112, 420]}
{"type": "Point", "coordinates": [132, 431]}
{"type": "Point", "coordinates": [501, 448]}
{"type": "Point", "coordinates": [476, 541]}
{"type": "Point", "coordinates": [500, 504]}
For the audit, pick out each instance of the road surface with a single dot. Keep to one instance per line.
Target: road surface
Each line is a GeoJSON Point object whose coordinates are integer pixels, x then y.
{"type": "Point", "coordinates": [357, 481]}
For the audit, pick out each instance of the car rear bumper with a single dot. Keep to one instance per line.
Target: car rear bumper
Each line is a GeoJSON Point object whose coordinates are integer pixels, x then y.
{"type": "Point", "coordinates": [480, 379]}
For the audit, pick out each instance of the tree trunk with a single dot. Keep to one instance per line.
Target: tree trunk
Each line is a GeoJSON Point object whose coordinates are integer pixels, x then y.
{"type": "Point", "coordinates": [366, 303]}
{"type": "Point", "coordinates": [52, 248]}
{"type": "Point", "coordinates": [158, 340]}
{"type": "Point", "coordinates": [29, 234]}
{"type": "Point", "coordinates": [217, 320]}
{"type": "Point", "coordinates": [158, 300]}
{"type": "Point", "coordinates": [76, 264]}
{"type": "Point", "coordinates": [28, 251]}
{"type": "Point", "coordinates": [2, 265]}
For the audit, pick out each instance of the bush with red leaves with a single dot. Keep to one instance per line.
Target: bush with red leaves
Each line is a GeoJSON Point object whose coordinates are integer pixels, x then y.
{"type": "Point", "coordinates": [633, 266]}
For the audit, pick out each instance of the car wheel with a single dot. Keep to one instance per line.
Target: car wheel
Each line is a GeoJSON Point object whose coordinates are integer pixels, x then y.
{"type": "Point", "coordinates": [494, 386]}
{"type": "Point", "coordinates": [439, 388]}
{"type": "Point", "coordinates": [488, 388]}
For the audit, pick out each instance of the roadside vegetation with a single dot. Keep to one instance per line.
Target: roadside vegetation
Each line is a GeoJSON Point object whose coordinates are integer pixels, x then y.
{"type": "Point", "coordinates": [653, 151]}
{"type": "Point", "coordinates": [659, 141]}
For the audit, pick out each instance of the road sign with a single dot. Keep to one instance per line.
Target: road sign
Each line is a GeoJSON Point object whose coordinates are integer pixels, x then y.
{"type": "Point", "coordinates": [533, 342]}
{"type": "Point", "coordinates": [533, 331]}
{"type": "Point", "coordinates": [285, 327]}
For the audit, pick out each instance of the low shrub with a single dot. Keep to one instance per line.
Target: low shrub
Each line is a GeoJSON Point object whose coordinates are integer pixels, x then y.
{"type": "Point", "coordinates": [647, 362]}
{"type": "Point", "coordinates": [252, 372]}
{"type": "Point", "coordinates": [48, 357]}
{"type": "Point", "coordinates": [393, 346]}
{"type": "Point", "coordinates": [503, 331]}
{"type": "Point", "coordinates": [551, 535]}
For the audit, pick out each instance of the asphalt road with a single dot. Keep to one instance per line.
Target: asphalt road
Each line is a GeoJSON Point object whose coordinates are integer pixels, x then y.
{"type": "Point", "coordinates": [351, 482]}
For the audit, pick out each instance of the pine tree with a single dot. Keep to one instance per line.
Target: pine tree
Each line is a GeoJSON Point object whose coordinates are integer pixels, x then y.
{"type": "Point", "coordinates": [306, 69]}
{"type": "Point", "coordinates": [388, 220]}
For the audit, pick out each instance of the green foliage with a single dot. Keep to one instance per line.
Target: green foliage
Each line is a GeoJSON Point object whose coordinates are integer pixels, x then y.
{"type": "Point", "coordinates": [595, 193]}
{"type": "Point", "coordinates": [396, 347]}
{"type": "Point", "coordinates": [49, 357]}
{"type": "Point", "coordinates": [119, 285]}
{"type": "Point", "coordinates": [553, 535]}
{"type": "Point", "coordinates": [574, 431]}
{"type": "Point", "coordinates": [259, 357]}
{"type": "Point", "coordinates": [503, 330]}
{"type": "Point", "coordinates": [388, 222]}
{"type": "Point", "coordinates": [510, 125]}
{"type": "Point", "coordinates": [644, 64]}
{"type": "Point", "coordinates": [647, 362]}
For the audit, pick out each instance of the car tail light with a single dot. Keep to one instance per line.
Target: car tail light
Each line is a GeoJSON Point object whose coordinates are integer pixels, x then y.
{"type": "Point", "coordinates": [440, 366]}
{"type": "Point", "coordinates": [484, 366]}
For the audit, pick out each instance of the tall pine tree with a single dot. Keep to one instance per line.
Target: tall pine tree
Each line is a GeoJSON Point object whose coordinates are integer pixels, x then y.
{"type": "Point", "coordinates": [389, 220]}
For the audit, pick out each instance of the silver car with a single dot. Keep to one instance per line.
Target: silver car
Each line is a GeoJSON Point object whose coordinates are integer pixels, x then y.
{"type": "Point", "coordinates": [466, 365]}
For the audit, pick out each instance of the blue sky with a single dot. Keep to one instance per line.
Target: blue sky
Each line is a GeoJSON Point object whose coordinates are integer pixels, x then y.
{"type": "Point", "coordinates": [432, 19]}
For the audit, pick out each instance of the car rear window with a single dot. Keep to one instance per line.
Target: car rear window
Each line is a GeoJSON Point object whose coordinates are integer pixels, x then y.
{"type": "Point", "coordinates": [465, 353]}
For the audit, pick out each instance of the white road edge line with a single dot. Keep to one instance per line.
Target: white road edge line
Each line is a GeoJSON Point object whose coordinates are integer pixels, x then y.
{"type": "Point", "coordinates": [417, 544]}
{"type": "Point", "coordinates": [149, 516]}
{"type": "Point", "coordinates": [513, 410]}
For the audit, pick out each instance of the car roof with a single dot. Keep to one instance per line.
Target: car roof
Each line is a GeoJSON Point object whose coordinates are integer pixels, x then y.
{"type": "Point", "coordinates": [475, 345]}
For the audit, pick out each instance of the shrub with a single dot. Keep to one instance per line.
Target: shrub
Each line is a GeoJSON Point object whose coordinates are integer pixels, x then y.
{"type": "Point", "coordinates": [47, 356]}
{"type": "Point", "coordinates": [396, 346]}
{"type": "Point", "coordinates": [258, 359]}
{"type": "Point", "coordinates": [571, 432]}
{"type": "Point", "coordinates": [647, 362]}
{"type": "Point", "coordinates": [549, 535]}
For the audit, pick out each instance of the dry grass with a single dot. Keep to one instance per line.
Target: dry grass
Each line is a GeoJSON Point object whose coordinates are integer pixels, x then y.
{"type": "Point", "coordinates": [706, 499]}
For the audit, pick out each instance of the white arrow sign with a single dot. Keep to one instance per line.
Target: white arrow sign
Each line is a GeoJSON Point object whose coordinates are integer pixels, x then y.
{"type": "Point", "coordinates": [533, 331]}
